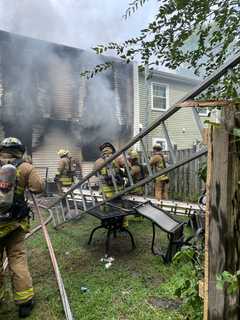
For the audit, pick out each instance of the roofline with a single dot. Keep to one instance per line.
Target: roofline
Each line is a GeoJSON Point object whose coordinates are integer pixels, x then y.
{"type": "Point", "coordinates": [174, 77]}
{"type": "Point", "coordinates": [156, 73]}
{"type": "Point", "coordinates": [47, 42]}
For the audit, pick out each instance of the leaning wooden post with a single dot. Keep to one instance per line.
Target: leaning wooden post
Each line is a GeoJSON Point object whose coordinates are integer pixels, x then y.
{"type": "Point", "coordinates": [208, 141]}
{"type": "Point", "coordinates": [223, 216]}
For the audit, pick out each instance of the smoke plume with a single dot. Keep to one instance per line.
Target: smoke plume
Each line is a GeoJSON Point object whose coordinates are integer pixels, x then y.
{"type": "Point", "coordinates": [76, 23]}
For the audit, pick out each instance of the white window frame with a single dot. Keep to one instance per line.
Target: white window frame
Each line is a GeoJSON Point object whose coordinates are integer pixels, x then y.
{"type": "Point", "coordinates": [203, 112]}
{"type": "Point", "coordinates": [157, 140]}
{"type": "Point", "coordinates": [165, 85]}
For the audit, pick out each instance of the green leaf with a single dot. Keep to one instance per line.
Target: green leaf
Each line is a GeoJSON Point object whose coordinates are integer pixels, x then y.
{"type": "Point", "coordinates": [236, 132]}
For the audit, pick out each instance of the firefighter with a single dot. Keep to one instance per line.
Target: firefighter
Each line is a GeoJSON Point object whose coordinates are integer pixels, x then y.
{"type": "Point", "coordinates": [137, 171]}
{"type": "Point", "coordinates": [13, 230]}
{"type": "Point", "coordinates": [158, 163]}
{"type": "Point", "coordinates": [107, 174]}
{"type": "Point", "coordinates": [64, 176]}
{"type": "Point", "coordinates": [107, 188]}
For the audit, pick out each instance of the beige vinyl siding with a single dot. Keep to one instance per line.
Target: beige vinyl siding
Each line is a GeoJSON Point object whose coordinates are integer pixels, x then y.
{"type": "Point", "coordinates": [63, 86]}
{"type": "Point", "coordinates": [87, 167]}
{"type": "Point", "coordinates": [46, 154]}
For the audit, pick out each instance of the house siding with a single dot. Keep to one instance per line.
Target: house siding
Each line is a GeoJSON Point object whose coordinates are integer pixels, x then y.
{"type": "Point", "coordinates": [45, 156]}
{"type": "Point", "coordinates": [175, 124]}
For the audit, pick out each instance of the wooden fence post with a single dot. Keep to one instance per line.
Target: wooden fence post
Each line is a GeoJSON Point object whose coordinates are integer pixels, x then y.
{"type": "Point", "coordinates": [223, 216]}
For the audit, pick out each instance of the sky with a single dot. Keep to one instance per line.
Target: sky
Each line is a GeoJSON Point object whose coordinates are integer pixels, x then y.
{"type": "Point", "coordinates": [77, 23]}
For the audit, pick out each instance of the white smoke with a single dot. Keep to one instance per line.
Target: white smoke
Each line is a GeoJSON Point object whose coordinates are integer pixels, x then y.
{"type": "Point", "coordinates": [77, 23]}
{"type": "Point", "coordinates": [101, 109]}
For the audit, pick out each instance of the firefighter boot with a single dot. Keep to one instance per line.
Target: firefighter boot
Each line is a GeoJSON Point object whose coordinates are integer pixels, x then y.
{"type": "Point", "coordinates": [25, 309]}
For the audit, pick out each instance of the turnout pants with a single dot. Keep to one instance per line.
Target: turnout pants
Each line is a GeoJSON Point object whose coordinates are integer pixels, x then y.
{"type": "Point", "coordinates": [13, 244]}
{"type": "Point", "coordinates": [161, 190]}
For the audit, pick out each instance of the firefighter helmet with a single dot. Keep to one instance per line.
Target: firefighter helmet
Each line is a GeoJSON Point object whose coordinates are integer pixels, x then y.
{"type": "Point", "coordinates": [12, 143]}
{"type": "Point", "coordinates": [133, 154]}
{"type": "Point", "coordinates": [107, 145]}
{"type": "Point", "coordinates": [62, 152]}
{"type": "Point", "coordinates": [157, 147]}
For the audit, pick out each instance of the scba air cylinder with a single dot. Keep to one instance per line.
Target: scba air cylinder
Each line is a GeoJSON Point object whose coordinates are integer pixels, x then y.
{"type": "Point", "coordinates": [7, 186]}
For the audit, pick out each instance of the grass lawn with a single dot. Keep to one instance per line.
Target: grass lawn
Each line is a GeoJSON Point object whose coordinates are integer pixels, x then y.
{"type": "Point", "coordinates": [137, 286]}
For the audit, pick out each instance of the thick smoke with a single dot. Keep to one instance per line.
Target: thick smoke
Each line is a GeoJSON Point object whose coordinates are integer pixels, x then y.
{"type": "Point", "coordinates": [101, 111]}
{"type": "Point", "coordinates": [82, 24]}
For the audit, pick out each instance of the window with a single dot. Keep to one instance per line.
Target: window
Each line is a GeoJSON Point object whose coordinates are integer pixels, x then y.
{"type": "Point", "coordinates": [159, 96]}
{"type": "Point", "coordinates": [162, 142]}
{"type": "Point", "coordinates": [203, 112]}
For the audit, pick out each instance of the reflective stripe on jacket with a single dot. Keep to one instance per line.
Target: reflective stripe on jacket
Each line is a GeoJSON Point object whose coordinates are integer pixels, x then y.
{"type": "Point", "coordinates": [106, 189]}
{"type": "Point", "coordinates": [65, 172]}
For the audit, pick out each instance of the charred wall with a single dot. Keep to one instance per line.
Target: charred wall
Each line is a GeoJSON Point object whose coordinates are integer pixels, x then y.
{"type": "Point", "coordinates": [41, 86]}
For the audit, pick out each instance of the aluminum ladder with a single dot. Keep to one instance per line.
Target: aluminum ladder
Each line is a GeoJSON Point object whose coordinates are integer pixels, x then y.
{"type": "Point", "coordinates": [66, 208]}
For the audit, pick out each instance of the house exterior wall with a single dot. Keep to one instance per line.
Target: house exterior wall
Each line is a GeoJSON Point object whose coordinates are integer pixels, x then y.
{"type": "Point", "coordinates": [46, 103]}
{"type": "Point", "coordinates": [182, 127]}
{"type": "Point", "coordinates": [45, 155]}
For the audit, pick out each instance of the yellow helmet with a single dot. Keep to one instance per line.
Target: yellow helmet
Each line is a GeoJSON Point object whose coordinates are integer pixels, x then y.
{"type": "Point", "coordinates": [157, 146]}
{"type": "Point", "coordinates": [62, 152]}
{"type": "Point", "coordinates": [133, 154]}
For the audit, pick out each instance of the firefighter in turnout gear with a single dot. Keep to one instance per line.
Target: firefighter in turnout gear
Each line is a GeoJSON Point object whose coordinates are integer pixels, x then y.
{"type": "Point", "coordinates": [158, 163]}
{"type": "Point", "coordinates": [107, 173]}
{"type": "Point", "coordinates": [14, 223]}
{"type": "Point", "coordinates": [137, 171]}
{"type": "Point", "coordinates": [64, 176]}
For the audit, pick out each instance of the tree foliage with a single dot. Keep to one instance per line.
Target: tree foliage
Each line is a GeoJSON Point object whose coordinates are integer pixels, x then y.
{"type": "Point", "coordinates": [199, 34]}
{"type": "Point", "coordinates": [98, 68]}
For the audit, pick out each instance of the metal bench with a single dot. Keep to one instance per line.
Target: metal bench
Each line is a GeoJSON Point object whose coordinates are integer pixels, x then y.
{"type": "Point", "coordinates": [166, 223]}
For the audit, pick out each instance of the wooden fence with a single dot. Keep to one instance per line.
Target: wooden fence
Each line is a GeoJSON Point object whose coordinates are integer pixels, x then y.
{"type": "Point", "coordinates": [184, 182]}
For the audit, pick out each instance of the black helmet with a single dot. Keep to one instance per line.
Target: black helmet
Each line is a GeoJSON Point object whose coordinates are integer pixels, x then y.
{"type": "Point", "coordinates": [12, 143]}
{"type": "Point", "coordinates": [107, 145]}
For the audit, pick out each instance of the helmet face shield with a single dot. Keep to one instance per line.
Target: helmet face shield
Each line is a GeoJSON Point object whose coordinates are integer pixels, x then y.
{"type": "Point", "coordinates": [12, 143]}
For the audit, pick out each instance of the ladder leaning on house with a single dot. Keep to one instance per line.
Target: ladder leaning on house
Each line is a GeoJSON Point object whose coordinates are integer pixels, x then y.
{"type": "Point", "coordinates": [90, 201]}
